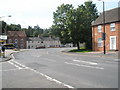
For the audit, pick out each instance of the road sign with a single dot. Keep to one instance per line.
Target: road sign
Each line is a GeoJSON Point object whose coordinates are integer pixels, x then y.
{"type": "Point", "coordinates": [3, 37]}
{"type": "Point", "coordinates": [2, 40]}
{"type": "Point", "coordinates": [103, 36]}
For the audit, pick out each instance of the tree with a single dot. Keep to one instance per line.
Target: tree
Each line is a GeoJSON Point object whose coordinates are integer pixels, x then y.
{"type": "Point", "coordinates": [91, 13]}
{"type": "Point", "coordinates": [4, 24]}
{"type": "Point", "coordinates": [60, 26]}
{"type": "Point", "coordinates": [38, 30]}
{"type": "Point", "coordinates": [14, 27]}
{"type": "Point", "coordinates": [74, 25]}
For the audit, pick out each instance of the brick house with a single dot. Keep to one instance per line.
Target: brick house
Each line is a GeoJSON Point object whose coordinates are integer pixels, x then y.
{"type": "Point", "coordinates": [18, 38]}
{"type": "Point", "coordinates": [112, 30]}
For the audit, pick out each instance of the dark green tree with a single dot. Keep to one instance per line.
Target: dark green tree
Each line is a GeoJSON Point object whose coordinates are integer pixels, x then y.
{"type": "Point", "coordinates": [74, 25]}
{"type": "Point", "coordinates": [91, 13]}
{"type": "Point", "coordinates": [60, 22]}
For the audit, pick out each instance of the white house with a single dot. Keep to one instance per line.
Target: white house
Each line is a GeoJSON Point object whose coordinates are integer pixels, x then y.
{"type": "Point", "coordinates": [40, 42]}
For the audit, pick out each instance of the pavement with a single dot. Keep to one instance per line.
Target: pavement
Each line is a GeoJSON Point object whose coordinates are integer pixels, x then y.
{"type": "Point", "coordinates": [109, 54]}
{"type": "Point", "coordinates": [7, 55]}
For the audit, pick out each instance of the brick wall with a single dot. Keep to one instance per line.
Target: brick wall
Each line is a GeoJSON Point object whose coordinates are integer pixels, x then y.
{"type": "Point", "coordinates": [96, 35]}
{"type": "Point", "coordinates": [119, 36]}
{"type": "Point", "coordinates": [19, 41]}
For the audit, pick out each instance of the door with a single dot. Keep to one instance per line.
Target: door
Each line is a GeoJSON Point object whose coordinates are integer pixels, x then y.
{"type": "Point", "coordinates": [112, 42]}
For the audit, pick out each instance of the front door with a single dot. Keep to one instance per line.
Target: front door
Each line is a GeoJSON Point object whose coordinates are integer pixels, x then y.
{"type": "Point", "coordinates": [112, 42]}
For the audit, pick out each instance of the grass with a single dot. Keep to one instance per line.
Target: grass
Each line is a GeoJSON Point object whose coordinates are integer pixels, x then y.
{"type": "Point", "coordinates": [80, 51]}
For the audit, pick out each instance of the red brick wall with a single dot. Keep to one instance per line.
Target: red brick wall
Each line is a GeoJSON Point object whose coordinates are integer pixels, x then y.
{"type": "Point", "coordinates": [18, 38]}
{"type": "Point", "coordinates": [96, 35]}
{"type": "Point", "coordinates": [119, 36]}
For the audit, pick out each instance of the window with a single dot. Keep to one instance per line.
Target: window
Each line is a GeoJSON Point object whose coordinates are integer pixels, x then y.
{"type": "Point", "coordinates": [100, 42]}
{"type": "Point", "coordinates": [21, 46]}
{"type": "Point", "coordinates": [16, 41]}
{"type": "Point", "coordinates": [9, 41]}
{"type": "Point", "coordinates": [21, 41]}
{"type": "Point", "coordinates": [112, 27]}
{"type": "Point", "coordinates": [99, 28]}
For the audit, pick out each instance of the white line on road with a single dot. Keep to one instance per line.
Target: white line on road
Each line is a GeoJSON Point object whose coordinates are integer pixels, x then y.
{"type": "Point", "coordinates": [84, 65]}
{"type": "Point", "coordinates": [46, 76]}
{"type": "Point", "coordinates": [10, 70]}
{"type": "Point", "coordinates": [52, 79]}
{"type": "Point", "coordinates": [92, 63]}
{"type": "Point", "coordinates": [14, 65]}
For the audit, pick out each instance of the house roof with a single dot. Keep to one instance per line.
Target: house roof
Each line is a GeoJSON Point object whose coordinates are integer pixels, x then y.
{"type": "Point", "coordinates": [112, 15]}
{"type": "Point", "coordinates": [34, 39]}
{"type": "Point", "coordinates": [19, 33]}
{"type": "Point", "coordinates": [41, 39]}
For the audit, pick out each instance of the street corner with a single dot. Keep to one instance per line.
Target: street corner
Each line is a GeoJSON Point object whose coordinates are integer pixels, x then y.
{"type": "Point", "coordinates": [6, 56]}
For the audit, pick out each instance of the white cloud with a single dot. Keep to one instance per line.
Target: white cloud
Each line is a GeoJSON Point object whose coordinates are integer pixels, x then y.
{"type": "Point", "coordinates": [33, 12]}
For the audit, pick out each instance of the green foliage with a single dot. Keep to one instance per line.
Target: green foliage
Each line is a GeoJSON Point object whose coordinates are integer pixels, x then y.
{"type": "Point", "coordinates": [14, 27]}
{"type": "Point", "coordinates": [74, 25]}
{"type": "Point", "coordinates": [79, 51]}
{"type": "Point", "coordinates": [3, 26]}
{"type": "Point", "coordinates": [30, 32]}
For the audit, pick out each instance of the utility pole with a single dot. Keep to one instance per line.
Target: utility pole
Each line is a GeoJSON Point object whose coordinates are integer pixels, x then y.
{"type": "Point", "coordinates": [104, 33]}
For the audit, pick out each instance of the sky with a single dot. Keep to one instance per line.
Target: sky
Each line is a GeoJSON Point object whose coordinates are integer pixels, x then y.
{"type": "Point", "coordinates": [40, 12]}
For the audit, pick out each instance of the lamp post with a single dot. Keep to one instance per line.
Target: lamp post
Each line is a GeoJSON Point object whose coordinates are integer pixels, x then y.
{"type": "Point", "coordinates": [103, 34]}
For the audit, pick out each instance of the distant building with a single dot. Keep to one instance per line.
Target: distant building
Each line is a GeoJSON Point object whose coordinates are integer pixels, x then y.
{"type": "Point", "coordinates": [18, 38]}
{"type": "Point", "coordinates": [39, 42]}
{"type": "Point", "coordinates": [112, 30]}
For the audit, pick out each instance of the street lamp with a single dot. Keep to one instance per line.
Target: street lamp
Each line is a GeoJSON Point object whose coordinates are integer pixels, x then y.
{"type": "Point", "coordinates": [103, 34]}
{"type": "Point", "coordinates": [6, 16]}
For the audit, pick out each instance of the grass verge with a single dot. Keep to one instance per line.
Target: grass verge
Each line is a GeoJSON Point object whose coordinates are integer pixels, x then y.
{"type": "Point", "coordinates": [80, 51]}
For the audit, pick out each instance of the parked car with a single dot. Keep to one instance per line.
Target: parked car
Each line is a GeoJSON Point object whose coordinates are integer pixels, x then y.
{"type": "Point", "coordinates": [40, 47]}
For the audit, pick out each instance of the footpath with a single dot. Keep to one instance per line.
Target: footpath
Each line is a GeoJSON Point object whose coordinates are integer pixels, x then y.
{"type": "Point", "coordinates": [7, 55]}
{"type": "Point", "coordinates": [115, 55]}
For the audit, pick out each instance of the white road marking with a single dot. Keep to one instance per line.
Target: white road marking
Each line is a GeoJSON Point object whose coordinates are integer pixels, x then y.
{"type": "Point", "coordinates": [84, 65]}
{"type": "Point", "coordinates": [14, 65]}
{"type": "Point", "coordinates": [10, 70]}
{"type": "Point", "coordinates": [23, 66]}
{"type": "Point", "coordinates": [92, 63]}
{"type": "Point", "coordinates": [46, 76]}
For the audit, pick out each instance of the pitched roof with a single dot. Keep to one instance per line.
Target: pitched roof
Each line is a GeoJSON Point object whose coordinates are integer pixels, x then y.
{"type": "Point", "coordinates": [112, 15]}
{"type": "Point", "coordinates": [41, 39]}
{"type": "Point", "coordinates": [34, 39]}
{"type": "Point", "coordinates": [19, 33]}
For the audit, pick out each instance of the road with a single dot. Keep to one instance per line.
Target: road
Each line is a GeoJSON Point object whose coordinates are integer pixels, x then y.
{"type": "Point", "coordinates": [51, 68]}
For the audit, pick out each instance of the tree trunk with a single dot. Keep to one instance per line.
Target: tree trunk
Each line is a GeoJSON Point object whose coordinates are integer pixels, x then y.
{"type": "Point", "coordinates": [78, 46]}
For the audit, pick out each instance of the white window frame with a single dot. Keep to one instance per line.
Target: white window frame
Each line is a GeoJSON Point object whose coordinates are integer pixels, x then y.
{"type": "Point", "coordinates": [112, 27]}
{"type": "Point", "coordinates": [100, 42]}
{"type": "Point", "coordinates": [99, 28]}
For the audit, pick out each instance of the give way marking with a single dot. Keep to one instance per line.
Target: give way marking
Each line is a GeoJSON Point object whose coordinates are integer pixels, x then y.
{"type": "Point", "coordinates": [92, 63]}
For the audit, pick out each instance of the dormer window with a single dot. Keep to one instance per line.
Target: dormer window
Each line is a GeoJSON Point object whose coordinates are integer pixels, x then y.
{"type": "Point", "coordinates": [112, 27]}
{"type": "Point", "coordinates": [99, 28]}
